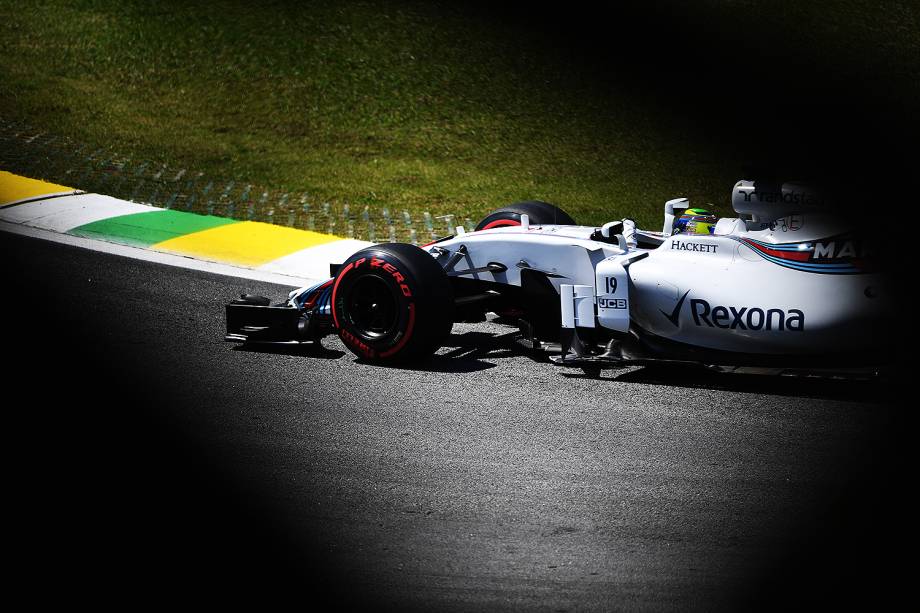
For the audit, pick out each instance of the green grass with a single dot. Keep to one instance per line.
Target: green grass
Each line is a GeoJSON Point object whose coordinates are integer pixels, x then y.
{"type": "Point", "coordinates": [409, 106]}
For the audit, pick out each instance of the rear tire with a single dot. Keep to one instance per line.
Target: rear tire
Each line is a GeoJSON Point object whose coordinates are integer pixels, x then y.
{"type": "Point", "coordinates": [540, 213]}
{"type": "Point", "coordinates": [392, 303]}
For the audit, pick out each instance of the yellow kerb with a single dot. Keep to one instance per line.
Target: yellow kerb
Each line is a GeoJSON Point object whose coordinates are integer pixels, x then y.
{"type": "Point", "coordinates": [248, 243]}
{"type": "Point", "coordinates": [14, 188]}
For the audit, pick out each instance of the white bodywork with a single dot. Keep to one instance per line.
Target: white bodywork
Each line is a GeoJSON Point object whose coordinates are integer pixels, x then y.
{"type": "Point", "coordinates": [795, 286]}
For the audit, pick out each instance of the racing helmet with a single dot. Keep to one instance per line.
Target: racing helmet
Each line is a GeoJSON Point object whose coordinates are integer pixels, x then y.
{"type": "Point", "coordinates": [696, 221]}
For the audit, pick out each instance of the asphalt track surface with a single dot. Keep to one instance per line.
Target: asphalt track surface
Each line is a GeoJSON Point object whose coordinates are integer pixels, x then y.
{"type": "Point", "coordinates": [152, 462]}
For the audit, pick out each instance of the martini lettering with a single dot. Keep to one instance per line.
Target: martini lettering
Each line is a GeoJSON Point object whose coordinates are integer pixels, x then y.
{"type": "Point", "coordinates": [838, 250]}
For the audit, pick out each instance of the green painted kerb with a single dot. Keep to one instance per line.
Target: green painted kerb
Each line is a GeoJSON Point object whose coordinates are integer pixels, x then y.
{"type": "Point", "coordinates": [145, 229]}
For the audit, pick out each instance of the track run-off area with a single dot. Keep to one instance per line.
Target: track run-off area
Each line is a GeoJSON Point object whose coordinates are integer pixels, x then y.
{"type": "Point", "coordinates": [153, 458]}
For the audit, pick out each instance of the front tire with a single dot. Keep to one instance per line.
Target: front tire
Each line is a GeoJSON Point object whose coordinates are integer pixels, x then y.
{"type": "Point", "coordinates": [392, 303]}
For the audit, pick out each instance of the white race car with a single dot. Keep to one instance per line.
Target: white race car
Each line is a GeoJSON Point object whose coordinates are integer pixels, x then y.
{"type": "Point", "coordinates": [785, 287]}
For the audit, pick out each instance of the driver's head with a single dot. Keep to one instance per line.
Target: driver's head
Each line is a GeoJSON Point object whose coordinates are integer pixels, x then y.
{"type": "Point", "coordinates": [696, 221]}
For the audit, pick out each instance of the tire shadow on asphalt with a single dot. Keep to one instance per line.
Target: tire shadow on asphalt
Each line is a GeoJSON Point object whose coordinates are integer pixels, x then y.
{"type": "Point", "coordinates": [872, 391]}
{"type": "Point", "coordinates": [307, 350]}
{"type": "Point", "coordinates": [465, 352]}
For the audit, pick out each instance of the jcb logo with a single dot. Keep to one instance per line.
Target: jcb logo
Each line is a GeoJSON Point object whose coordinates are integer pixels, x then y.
{"type": "Point", "coordinates": [611, 303]}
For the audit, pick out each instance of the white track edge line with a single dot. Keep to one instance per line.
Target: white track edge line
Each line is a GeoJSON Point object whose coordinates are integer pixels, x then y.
{"type": "Point", "coordinates": [50, 195]}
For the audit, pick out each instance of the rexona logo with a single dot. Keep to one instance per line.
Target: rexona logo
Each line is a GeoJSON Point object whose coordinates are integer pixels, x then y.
{"type": "Point", "coordinates": [738, 318]}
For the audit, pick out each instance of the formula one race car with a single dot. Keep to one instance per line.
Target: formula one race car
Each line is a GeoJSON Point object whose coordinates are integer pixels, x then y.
{"type": "Point", "coordinates": [785, 286]}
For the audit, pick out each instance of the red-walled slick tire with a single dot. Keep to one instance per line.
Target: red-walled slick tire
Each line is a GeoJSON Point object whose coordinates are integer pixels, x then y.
{"type": "Point", "coordinates": [540, 213]}
{"type": "Point", "coordinates": [392, 303]}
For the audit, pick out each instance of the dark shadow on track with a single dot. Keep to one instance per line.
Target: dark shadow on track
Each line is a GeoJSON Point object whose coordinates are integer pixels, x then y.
{"type": "Point", "coordinates": [307, 350]}
{"type": "Point", "coordinates": [442, 364]}
{"type": "Point", "coordinates": [467, 352]}
{"type": "Point", "coordinates": [482, 345]}
{"type": "Point", "coordinates": [472, 351]}
{"type": "Point", "coordinates": [869, 391]}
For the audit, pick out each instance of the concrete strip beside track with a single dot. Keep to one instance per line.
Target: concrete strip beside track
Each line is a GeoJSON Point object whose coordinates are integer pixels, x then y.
{"type": "Point", "coordinates": [314, 262]}
{"type": "Point", "coordinates": [171, 237]}
{"type": "Point", "coordinates": [67, 212]}
{"type": "Point", "coordinates": [167, 259]}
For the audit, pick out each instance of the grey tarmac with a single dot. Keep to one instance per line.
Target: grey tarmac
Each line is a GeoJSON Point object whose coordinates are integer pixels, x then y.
{"type": "Point", "coordinates": [482, 480]}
